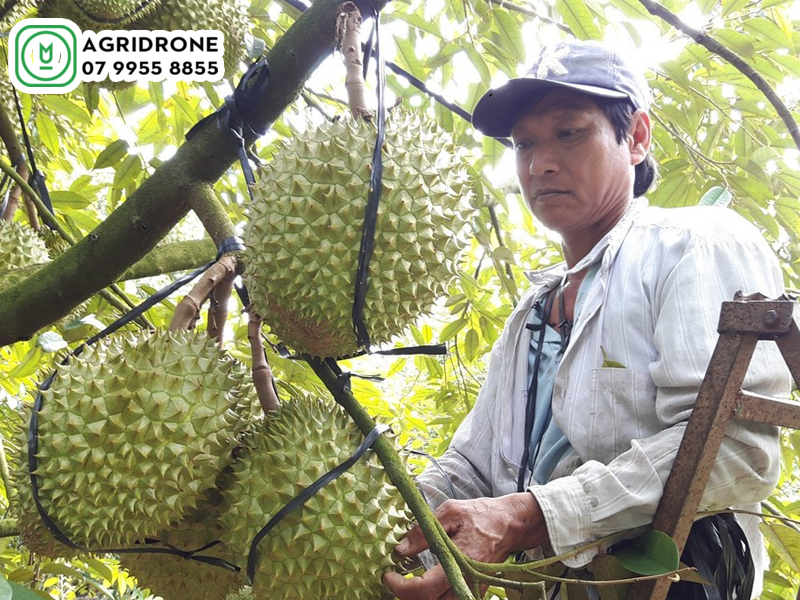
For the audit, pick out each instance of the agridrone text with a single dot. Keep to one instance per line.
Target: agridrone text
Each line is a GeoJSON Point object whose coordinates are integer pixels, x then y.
{"type": "Point", "coordinates": [53, 56]}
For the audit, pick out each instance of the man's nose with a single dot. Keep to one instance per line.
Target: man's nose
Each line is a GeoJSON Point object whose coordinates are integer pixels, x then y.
{"type": "Point", "coordinates": [543, 162]}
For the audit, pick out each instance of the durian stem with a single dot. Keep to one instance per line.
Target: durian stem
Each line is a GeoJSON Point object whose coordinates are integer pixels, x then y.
{"type": "Point", "coordinates": [397, 474]}
{"type": "Point", "coordinates": [8, 528]}
{"type": "Point", "coordinates": [262, 374]}
{"type": "Point", "coordinates": [218, 307]}
{"type": "Point", "coordinates": [188, 310]}
{"type": "Point", "coordinates": [350, 30]}
{"type": "Point", "coordinates": [11, 492]}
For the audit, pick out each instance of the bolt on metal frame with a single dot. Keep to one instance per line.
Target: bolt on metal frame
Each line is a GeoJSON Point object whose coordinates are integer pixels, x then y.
{"type": "Point", "coordinates": [743, 323]}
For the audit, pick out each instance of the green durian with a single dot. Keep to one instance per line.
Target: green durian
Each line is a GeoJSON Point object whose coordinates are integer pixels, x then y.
{"type": "Point", "coordinates": [339, 542]}
{"type": "Point", "coordinates": [176, 578]}
{"type": "Point", "coordinates": [20, 247]}
{"type": "Point", "coordinates": [134, 432]}
{"type": "Point", "coordinates": [99, 15]}
{"type": "Point", "coordinates": [304, 231]}
{"type": "Point", "coordinates": [23, 9]}
{"type": "Point", "coordinates": [228, 16]}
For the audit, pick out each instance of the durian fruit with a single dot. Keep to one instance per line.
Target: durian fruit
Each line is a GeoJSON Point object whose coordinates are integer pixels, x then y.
{"type": "Point", "coordinates": [23, 9]}
{"type": "Point", "coordinates": [304, 231]}
{"type": "Point", "coordinates": [175, 578]}
{"type": "Point", "coordinates": [133, 434]}
{"type": "Point", "coordinates": [339, 542]}
{"type": "Point", "coordinates": [20, 247]}
{"type": "Point", "coordinates": [228, 16]}
{"type": "Point", "coordinates": [98, 15]}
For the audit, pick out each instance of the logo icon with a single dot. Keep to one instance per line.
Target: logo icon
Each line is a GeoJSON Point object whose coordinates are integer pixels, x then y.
{"type": "Point", "coordinates": [43, 56]}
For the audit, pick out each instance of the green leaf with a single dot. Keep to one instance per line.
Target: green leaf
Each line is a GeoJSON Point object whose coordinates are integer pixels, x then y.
{"type": "Point", "coordinates": [785, 541]}
{"type": "Point", "coordinates": [731, 6]}
{"type": "Point", "coordinates": [716, 196]}
{"type": "Point", "coordinates": [62, 106]}
{"type": "Point", "coordinates": [478, 62]}
{"type": "Point", "coordinates": [5, 588]}
{"type": "Point", "coordinates": [127, 171]}
{"type": "Point", "coordinates": [22, 593]}
{"type": "Point", "coordinates": [50, 341]}
{"type": "Point", "coordinates": [607, 567]}
{"type": "Point", "coordinates": [112, 154]}
{"type": "Point", "coordinates": [67, 200]}
{"type": "Point", "coordinates": [510, 33]}
{"type": "Point", "coordinates": [610, 364]}
{"type": "Point", "coordinates": [736, 41]}
{"type": "Point", "coordinates": [28, 365]}
{"type": "Point", "coordinates": [48, 132]}
{"type": "Point", "coordinates": [408, 57]}
{"type": "Point", "coordinates": [652, 553]}
{"type": "Point", "coordinates": [417, 21]}
{"type": "Point", "coordinates": [91, 97]}
{"type": "Point", "coordinates": [451, 329]}
{"type": "Point", "coordinates": [505, 254]}
{"type": "Point", "coordinates": [578, 18]}
{"type": "Point", "coordinates": [471, 342]}
{"type": "Point", "coordinates": [765, 30]}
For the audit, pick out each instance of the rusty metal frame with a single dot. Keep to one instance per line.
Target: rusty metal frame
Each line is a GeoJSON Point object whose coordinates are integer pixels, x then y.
{"type": "Point", "coordinates": [742, 324]}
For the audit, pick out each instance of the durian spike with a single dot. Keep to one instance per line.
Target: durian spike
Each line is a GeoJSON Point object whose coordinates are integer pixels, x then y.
{"type": "Point", "coordinates": [262, 374]}
{"type": "Point", "coordinates": [188, 310]}
{"type": "Point", "coordinates": [218, 307]}
{"type": "Point", "coordinates": [10, 139]}
{"type": "Point", "coordinates": [349, 28]}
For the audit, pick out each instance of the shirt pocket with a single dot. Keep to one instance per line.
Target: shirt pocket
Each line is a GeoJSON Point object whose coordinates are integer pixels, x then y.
{"type": "Point", "coordinates": [622, 409]}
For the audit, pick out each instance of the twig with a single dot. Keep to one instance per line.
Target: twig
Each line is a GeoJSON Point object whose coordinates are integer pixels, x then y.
{"type": "Point", "coordinates": [262, 374]}
{"type": "Point", "coordinates": [745, 69]}
{"type": "Point", "coordinates": [218, 307]}
{"type": "Point", "coordinates": [11, 492]}
{"type": "Point", "coordinates": [188, 310]}
{"type": "Point", "coordinates": [45, 214]}
{"type": "Point", "coordinates": [794, 523]}
{"type": "Point", "coordinates": [350, 31]}
{"type": "Point", "coordinates": [8, 134]}
{"type": "Point", "coordinates": [530, 13]}
{"type": "Point", "coordinates": [315, 105]}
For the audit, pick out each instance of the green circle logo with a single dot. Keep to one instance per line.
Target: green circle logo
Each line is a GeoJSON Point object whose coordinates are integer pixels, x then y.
{"type": "Point", "coordinates": [46, 55]}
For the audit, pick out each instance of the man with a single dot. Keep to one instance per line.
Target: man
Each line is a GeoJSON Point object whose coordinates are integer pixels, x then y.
{"type": "Point", "coordinates": [592, 382]}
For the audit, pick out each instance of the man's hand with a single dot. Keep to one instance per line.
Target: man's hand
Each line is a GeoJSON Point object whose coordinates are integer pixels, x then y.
{"type": "Point", "coordinates": [485, 529]}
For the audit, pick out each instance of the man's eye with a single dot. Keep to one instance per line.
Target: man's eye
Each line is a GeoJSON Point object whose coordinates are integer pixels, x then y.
{"type": "Point", "coordinates": [521, 146]}
{"type": "Point", "coordinates": [567, 133]}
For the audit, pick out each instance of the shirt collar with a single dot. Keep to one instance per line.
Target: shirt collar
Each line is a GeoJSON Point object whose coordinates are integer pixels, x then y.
{"type": "Point", "coordinates": [605, 250]}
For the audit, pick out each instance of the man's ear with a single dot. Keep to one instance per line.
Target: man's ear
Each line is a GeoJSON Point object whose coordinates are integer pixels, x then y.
{"type": "Point", "coordinates": [639, 136]}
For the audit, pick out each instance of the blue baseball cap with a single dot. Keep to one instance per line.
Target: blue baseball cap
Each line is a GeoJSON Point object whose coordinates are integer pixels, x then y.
{"type": "Point", "coordinates": [586, 66]}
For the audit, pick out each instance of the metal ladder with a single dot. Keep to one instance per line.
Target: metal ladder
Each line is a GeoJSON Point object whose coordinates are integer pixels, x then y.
{"type": "Point", "coordinates": [742, 323]}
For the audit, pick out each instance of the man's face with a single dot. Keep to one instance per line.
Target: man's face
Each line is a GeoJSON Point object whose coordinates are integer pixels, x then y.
{"type": "Point", "coordinates": [573, 174]}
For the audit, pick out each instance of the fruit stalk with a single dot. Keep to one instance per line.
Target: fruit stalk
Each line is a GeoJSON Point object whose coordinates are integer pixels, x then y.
{"type": "Point", "coordinates": [350, 31]}
{"type": "Point", "coordinates": [262, 374]}
{"type": "Point", "coordinates": [188, 310]}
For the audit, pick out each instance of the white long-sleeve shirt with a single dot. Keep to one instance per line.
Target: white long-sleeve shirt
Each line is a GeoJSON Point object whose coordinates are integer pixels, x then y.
{"type": "Point", "coordinates": [653, 307]}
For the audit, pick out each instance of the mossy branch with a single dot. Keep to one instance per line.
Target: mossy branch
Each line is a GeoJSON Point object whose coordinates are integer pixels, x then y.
{"type": "Point", "coordinates": [139, 223]}
{"type": "Point", "coordinates": [396, 471]}
{"type": "Point", "coordinates": [164, 259]}
{"type": "Point", "coordinates": [715, 47]}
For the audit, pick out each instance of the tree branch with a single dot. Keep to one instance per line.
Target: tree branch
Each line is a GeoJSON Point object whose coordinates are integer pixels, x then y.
{"type": "Point", "coordinates": [139, 223]}
{"type": "Point", "coordinates": [350, 31]}
{"type": "Point", "coordinates": [712, 45]}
